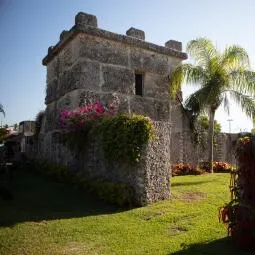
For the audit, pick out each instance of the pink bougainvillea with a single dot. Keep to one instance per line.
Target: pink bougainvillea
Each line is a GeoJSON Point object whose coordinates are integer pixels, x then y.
{"type": "Point", "coordinates": [81, 117]}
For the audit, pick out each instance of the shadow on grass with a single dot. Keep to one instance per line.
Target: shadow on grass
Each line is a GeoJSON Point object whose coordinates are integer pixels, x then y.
{"type": "Point", "coordinates": [218, 247]}
{"type": "Point", "coordinates": [36, 198]}
{"type": "Point", "coordinates": [188, 183]}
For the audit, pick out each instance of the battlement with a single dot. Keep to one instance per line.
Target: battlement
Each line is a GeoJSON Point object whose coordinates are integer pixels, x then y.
{"type": "Point", "coordinates": [87, 24]}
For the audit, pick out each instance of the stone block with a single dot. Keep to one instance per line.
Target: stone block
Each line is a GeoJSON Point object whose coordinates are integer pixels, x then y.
{"type": "Point", "coordinates": [136, 33]}
{"type": "Point", "coordinates": [175, 45]}
{"type": "Point", "coordinates": [88, 97]}
{"type": "Point", "coordinates": [51, 92]}
{"type": "Point", "coordinates": [103, 50]}
{"type": "Point", "coordinates": [156, 86]}
{"type": "Point", "coordinates": [120, 80]}
{"type": "Point", "coordinates": [149, 61]}
{"type": "Point", "coordinates": [84, 19]}
{"type": "Point", "coordinates": [84, 75]}
{"type": "Point", "coordinates": [118, 100]}
{"type": "Point", "coordinates": [64, 34]}
{"type": "Point", "coordinates": [51, 120]}
{"type": "Point", "coordinates": [144, 106]}
{"type": "Point", "coordinates": [66, 58]}
{"type": "Point", "coordinates": [162, 111]}
{"type": "Point", "coordinates": [53, 70]}
{"type": "Point", "coordinates": [155, 109]}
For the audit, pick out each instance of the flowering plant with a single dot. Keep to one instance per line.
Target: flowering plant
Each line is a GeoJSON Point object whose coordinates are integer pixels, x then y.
{"type": "Point", "coordinates": [185, 169]}
{"type": "Point", "coordinates": [80, 121]}
{"type": "Point", "coordinates": [218, 166]}
{"type": "Point", "coordinates": [81, 118]}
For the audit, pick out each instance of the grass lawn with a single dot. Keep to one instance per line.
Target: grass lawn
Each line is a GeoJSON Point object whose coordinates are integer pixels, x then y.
{"type": "Point", "coordinates": [51, 218]}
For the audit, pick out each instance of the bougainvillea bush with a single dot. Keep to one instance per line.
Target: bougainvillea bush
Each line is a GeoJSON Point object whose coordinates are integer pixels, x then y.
{"type": "Point", "coordinates": [80, 118]}
{"type": "Point", "coordinates": [80, 122]}
{"type": "Point", "coordinates": [239, 214]}
{"type": "Point", "coordinates": [122, 136]}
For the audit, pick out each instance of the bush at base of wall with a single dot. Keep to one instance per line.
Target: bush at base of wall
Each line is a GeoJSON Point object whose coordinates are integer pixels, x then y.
{"type": "Point", "coordinates": [204, 167]}
{"type": "Point", "coordinates": [185, 169]}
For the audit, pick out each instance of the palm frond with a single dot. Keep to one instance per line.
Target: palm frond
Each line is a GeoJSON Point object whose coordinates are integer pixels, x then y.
{"type": "Point", "coordinates": [226, 103]}
{"type": "Point", "coordinates": [2, 109]}
{"type": "Point", "coordinates": [247, 103]}
{"type": "Point", "coordinates": [202, 50]}
{"type": "Point", "coordinates": [185, 73]}
{"type": "Point", "coordinates": [197, 101]}
{"type": "Point", "coordinates": [235, 55]}
{"type": "Point", "coordinates": [243, 81]}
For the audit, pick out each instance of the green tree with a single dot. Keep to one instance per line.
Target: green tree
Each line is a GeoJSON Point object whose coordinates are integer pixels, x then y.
{"type": "Point", "coordinates": [203, 122]}
{"type": "Point", "coordinates": [222, 76]}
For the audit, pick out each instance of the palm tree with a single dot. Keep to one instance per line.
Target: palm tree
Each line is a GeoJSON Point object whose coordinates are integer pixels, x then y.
{"type": "Point", "coordinates": [2, 109]}
{"type": "Point", "coordinates": [222, 77]}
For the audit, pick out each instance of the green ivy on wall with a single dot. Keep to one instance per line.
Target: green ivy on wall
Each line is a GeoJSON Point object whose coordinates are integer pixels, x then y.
{"type": "Point", "coordinates": [124, 136]}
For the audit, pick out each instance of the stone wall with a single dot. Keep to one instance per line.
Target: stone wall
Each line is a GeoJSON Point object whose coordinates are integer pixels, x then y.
{"type": "Point", "coordinates": [183, 146]}
{"type": "Point", "coordinates": [90, 64]}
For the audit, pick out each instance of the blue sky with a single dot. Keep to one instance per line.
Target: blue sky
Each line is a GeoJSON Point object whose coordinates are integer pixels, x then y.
{"type": "Point", "coordinates": [29, 27]}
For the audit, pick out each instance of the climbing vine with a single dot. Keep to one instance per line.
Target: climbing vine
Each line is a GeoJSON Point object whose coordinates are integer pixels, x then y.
{"type": "Point", "coordinates": [124, 136]}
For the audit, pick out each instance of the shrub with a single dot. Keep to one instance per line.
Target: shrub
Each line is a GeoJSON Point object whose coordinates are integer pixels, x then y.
{"type": "Point", "coordinates": [185, 169]}
{"type": "Point", "coordinates": [218, 167]}
{"type": "Point", "coordinates": [124, 136]}
{"type": "Point", "coordinates": [239, 214]}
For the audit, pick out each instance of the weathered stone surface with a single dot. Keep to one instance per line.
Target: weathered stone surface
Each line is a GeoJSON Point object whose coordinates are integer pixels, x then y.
{"type": "Point", "coordinates": [157, 164]}
{"type": "Point", "coordinates": [88, 97]}
{"type": "Point", "coordinates": [117, 79]}
{"type": "Point", "coordinates": [50, 117]}
{"type": "Point", "coordinates": [162, 110]}
{"type": "Point", "coordinates": [150, 179]}
{"type": "Point", "coordinates": [83, 75]}
{"type": "Point", "coordinates": [51, 91]}
{"type": "Point", "coordinates": [64, 34]}
{"type": "Point", "coordinates": [155, 109]}
{"type": "Point", "coordinates": [66, 58]}
{"type": "Point", "coordinates": [120, 101]}
{"type": "Point", "coordinates": [136, 33]}
{"type": "Point", "coordinates": [175, 45]}
{"type": "Point", "coordinates": [144, 106]}
{"type": "Point", "coordinates": [156, 86]}
{"type": "Point", "coordinates": [84, 19]}
{"type": "Point", "coordinates": [133, 42]}
{"type": "Point", "coordinates": [102, 50]}
{"type": "Point", "coordinates": [53, 70]}
{"type": "Point", "coordinates": [149, 61]}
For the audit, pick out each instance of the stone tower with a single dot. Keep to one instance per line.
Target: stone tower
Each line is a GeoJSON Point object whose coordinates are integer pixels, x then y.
{"type": "Point", "coordinates": [90, 64]}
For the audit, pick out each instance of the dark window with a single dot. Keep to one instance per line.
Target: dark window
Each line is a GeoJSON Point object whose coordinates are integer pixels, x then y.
{"type": "Point", "coordinates": [139, 84]}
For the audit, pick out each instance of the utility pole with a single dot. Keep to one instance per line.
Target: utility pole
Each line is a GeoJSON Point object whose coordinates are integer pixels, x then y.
{"type": "Point", "coordinates": [229, 125]}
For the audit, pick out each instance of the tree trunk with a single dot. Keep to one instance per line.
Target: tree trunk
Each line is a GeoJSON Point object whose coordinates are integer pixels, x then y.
{"type": "Point", "coordinates": [210, 139]}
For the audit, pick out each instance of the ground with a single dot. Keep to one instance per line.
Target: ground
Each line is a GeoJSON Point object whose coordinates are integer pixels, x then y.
{"type": "Point", "coordinates": [45, 217]}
